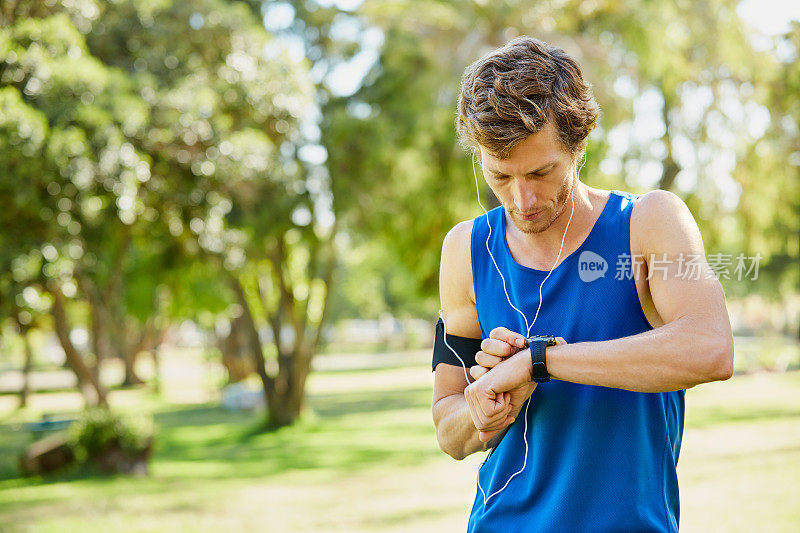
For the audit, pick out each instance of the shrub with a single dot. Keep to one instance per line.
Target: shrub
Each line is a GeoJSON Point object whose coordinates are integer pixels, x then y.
{"type": "Point", "coordinates": [100, 434]}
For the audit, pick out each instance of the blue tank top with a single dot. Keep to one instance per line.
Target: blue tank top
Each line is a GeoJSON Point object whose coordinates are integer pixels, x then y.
{"type": "Point", "coordinates": [599, 459]}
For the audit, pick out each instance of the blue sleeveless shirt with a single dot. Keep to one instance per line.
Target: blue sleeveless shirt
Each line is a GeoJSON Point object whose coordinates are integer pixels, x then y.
{"type": "Point", "coordinates": [599, 459]}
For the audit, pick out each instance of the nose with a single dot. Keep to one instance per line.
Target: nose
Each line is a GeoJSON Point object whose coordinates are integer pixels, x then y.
{"type": "Point", "coordinates": [524, 196]}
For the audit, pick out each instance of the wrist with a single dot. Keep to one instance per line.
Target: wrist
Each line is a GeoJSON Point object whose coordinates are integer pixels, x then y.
{"type": "Point", "coordinates": [523, 361]}
{"type": "Point", "coordinates": [555, 357]}
{"type": "Point", "coordinates": [538, 345]}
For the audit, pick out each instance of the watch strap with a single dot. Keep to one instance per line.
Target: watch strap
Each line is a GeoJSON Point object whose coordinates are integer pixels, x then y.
{"type": "Point", "coordinates": [539, 372]}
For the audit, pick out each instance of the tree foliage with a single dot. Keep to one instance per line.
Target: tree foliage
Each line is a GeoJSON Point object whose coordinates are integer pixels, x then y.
{"type": "Point", "coordinates": [141, 164]}
{"type": "Point", "coordinates": [238, 161]}
{"type": "Point", "coordinates": [689, 104]}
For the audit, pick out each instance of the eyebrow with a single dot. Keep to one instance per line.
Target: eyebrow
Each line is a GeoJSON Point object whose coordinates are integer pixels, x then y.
{"type": "Point", "coordinates": [546, 165]}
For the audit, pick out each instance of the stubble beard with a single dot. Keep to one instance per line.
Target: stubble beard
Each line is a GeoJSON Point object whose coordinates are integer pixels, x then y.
{"type": "Point", "coordinates": [533, 227]}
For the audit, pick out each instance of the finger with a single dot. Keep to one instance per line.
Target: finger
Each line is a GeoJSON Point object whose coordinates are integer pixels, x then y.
{"type": "Point", "coordinates": [505, 334]}
{"type": "Point", "coordinates": [488, 409]}
{"type": "Point", "coordinates": [508, 375]}
{"type": "Point", "coordinates": [560, 340]}
{"type": "Point", "coordinates": [486, 436]}
{"type": "Point", "coordinates": [477, 411]}
{"type": "Point", "coordinates": [486, 360]}
{"type": "Point", "coordinates": [476, 419]}
{"type": "Point", "coordinates": [477, 371]}
{"type": "Point", "coordinates": [482, 423]}
{"type": "Point", "coordinates": [493, 409]}
{"type": "Point", "coordinates": [498, 347]}
{"type": "Point", "coordinates": [497, 422]}
{"type": "Point", "coordinates": [473, 408]}
{"type": "Point", "coordinates": [485, 410]}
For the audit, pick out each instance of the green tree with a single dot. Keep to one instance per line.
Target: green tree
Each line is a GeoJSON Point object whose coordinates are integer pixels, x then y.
{"type": "Point", "coordinates": [686, 107]}
{"type": "Point", "coordinates": [165, 152]}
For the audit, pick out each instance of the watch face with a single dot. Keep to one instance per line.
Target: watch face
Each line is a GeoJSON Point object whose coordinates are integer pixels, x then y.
{"type": "Point", "coordinates": [551, 341]}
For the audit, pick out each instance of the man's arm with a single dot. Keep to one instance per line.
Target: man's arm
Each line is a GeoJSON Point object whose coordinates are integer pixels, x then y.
{"type": "Point", "coordinates": [455, 429]}
{"type": "Point", "coordinates": [695, 344]}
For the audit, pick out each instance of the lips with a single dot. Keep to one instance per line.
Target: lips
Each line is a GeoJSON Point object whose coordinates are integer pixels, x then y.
{"type": "Point", "coordinates": [532, 216]}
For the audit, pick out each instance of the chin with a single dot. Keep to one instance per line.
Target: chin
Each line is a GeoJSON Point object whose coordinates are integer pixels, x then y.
{"type": "Point", "coordinates": [528, 226]}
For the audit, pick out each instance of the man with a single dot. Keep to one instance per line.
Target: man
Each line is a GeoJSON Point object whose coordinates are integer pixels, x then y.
{"type": "Point", "coordinates": [596, 447]}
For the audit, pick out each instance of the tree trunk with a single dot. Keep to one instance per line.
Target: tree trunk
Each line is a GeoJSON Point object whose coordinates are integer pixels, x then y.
{"type": "Point", "coordinates": [86, 380]}
{"type": "Point", "coordinates": [99, 343]}
{"type": "Point", "coordinates": [149, 339]}
{"type": "Point", "coordinates": [286, 407]}
{"type": "Point", "coordinates": [120, 345]}
{"type": "Point", "coordinates": [26, 369]}
{"type": "Point", "coordinates": [670, 168]}
{"type": "Point", "coordinates": [114, 302]}
{"type": "Point", "coordinates": [267, 382]}
{"type": "Point", "coordinates": [236, 351]}
{"type": "Point", "coordinates": [131, 378]}
{"type": "Point", "coordinates": [156, 369]}
{"type": "Point", "coordinates": [285, 392]}
{"type": "Point", "coordinates": [100, 322]}
{"type": "Point", "coordinates": [126, 352]}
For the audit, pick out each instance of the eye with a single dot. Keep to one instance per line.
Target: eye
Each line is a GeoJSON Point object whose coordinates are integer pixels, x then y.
{"type": "Point", "coordinates": [542, 173]}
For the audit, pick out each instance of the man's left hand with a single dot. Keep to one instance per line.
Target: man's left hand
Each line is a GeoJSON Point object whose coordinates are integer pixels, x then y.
{"type": "Point", "coordinates": [501, 344]}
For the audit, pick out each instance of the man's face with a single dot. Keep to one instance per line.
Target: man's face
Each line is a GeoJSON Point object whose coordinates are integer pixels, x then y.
{"type": "Point", "coordinates": [534, 182]}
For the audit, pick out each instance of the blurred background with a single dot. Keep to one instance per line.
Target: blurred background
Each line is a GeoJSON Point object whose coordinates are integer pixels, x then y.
{"type": "Point", "coordinates": [221, 227]}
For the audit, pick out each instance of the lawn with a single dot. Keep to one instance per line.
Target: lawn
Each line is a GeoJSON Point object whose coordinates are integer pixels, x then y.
{"type": "Point", "coordinates": [365, 458]}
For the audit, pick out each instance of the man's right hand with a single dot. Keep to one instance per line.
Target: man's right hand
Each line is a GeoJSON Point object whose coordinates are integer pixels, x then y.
{"type": "Point", "coordinates": [491, 418]}
{"type": "Point", "coordinates": [494, 351]}
{"type": "Point", "coordinates": [509, 403]}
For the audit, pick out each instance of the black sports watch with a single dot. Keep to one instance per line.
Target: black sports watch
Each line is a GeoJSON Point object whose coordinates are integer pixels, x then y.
{"type": "Point", "coordinates": [538, 345]}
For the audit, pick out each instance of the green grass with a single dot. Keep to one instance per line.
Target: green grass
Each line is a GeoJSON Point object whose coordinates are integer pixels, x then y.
{"type": "Point", "coordinates": [364, 458]}
{"type": "Point", "coordinates": [740, 461]}
{"type": "Point", "coordinates": [766, 352]}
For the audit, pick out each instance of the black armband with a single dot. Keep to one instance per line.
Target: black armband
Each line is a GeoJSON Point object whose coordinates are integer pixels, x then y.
{"type": "Point", "coordinates": [465, 347]}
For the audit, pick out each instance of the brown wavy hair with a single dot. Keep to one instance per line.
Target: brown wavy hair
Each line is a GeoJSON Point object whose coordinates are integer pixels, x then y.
{"type": "Point", "coordinates": [511, 93]}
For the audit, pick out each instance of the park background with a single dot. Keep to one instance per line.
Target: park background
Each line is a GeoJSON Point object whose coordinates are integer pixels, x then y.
{"type": "Point", "coordinates": [207, 203]}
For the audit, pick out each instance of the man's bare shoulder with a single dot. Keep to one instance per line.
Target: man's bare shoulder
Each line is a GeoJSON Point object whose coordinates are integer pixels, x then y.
{"type": "Point", "coordinates": [456, 249]}
{"type": "Point", "coordinates": [658, 199]}
{"type": "Point", "coordinates": [459, 236]}
{"type": "Point", "coordinates": [456, 266]}
{"type": "Point", "coordinates": [659, 215]}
